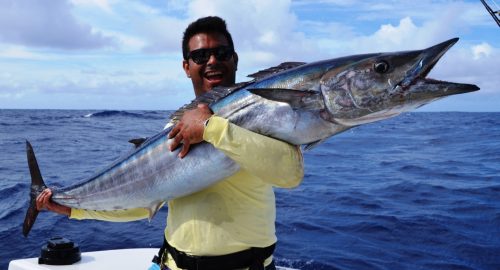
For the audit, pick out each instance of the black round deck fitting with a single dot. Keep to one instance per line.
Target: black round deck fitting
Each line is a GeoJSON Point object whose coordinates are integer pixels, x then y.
{"type": "Point", "coordinates": [59, 251]}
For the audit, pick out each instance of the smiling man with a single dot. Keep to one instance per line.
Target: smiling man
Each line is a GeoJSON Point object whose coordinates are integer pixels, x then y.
{"type": "Point", "coordinates": [205, 71]}
{"type": "Point", "coordinates": [231, 224]}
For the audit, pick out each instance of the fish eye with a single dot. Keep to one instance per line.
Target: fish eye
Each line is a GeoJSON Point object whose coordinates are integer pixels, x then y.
{"type": "Point", "coordinates": [381, 66]}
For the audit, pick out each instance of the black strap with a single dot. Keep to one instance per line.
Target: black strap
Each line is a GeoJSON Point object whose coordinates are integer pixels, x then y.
{"type": "Point", "coordinates": [253, 258]}
{"type": "Point", "coordinates": [158, 259]}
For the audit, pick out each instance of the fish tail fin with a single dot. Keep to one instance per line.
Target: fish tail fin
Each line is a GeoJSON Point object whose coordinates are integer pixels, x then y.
{"type": "Point", "coordinates": [37, 186]}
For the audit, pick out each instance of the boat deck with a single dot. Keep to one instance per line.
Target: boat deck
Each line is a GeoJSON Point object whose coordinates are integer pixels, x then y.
{"type": "Point", "coordinates": [123, 259]}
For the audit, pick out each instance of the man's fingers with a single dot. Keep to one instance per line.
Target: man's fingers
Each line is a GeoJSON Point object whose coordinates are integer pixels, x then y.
{"type": "Point", "coordinates": [189, 130]}
{"type": "Point", "coordinates": [39, 202]}
{"type": "Point", "coordinates": [174, 131]}
{"type": "Point", "coordinates": [185, 149]}
{"type": "Point", "coordinates": [175, 142]}
{"type": "Point", "coordinates": [43, 199]}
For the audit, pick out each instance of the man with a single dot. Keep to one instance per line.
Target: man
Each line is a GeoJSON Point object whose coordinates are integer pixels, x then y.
{"type": "Point", "coordinates": [229, 225]}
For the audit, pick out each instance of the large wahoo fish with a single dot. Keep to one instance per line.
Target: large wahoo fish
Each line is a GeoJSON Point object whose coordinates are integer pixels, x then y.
{"type": "Point", "coordinates": [299, 103]}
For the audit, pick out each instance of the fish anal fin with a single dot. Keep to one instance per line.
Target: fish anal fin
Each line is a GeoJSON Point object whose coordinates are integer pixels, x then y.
{"type": "Point", "coordinates": [298, 99]}
{"type": "Point", "coordinates": [310, 146]}
{"type": "Point", "coordinates": [153, 209]}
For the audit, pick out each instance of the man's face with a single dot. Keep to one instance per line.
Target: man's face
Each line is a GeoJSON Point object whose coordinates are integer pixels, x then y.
{"type": "Point", "coordinates": [213, 73]}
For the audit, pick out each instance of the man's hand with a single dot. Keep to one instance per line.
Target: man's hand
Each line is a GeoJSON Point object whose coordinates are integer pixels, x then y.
{"type": "Point", "coordinates": [43, 201]}
{"type": "Point", "coordinates": [190, 129]}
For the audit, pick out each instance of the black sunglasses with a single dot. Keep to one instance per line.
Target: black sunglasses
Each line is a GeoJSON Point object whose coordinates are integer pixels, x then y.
{"type": "Point", "coordinates": [201, 56]}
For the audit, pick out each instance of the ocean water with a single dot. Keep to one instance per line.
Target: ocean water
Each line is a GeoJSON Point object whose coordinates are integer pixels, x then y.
{"type": "Point", "coordinates": [419, 191]}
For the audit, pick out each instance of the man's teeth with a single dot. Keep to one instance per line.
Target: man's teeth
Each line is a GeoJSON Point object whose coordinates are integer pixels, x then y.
{"type": "Point", "coordinates": [213, 75]}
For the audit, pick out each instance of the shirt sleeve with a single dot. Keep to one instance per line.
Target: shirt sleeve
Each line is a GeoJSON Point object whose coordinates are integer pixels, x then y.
{"type": "Point", "coordinates": [273, 161]}
{"type": "Point", "coordinates": [114, 216]}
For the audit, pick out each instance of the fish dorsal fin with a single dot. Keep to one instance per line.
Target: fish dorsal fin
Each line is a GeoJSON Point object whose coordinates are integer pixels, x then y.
{"type": "Point", "coordinates": [305, 100]}
{"type": "Point", "coordinates": [137, 141]}
{"type": "Point", "coordinates": [210, 97]}
{"type": "Point", "coordinates": [273, 70]}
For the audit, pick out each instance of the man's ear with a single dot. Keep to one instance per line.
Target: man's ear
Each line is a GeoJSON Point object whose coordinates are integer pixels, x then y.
{"type": "Point", "coordinates": [185, 66]}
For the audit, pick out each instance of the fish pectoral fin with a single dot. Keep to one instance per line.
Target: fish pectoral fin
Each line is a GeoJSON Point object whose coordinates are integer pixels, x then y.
{"type": "Point", "coordinates": [153, 209]}
{"type": "Point", "coordinates": [137, 141]}
{"type": "Point", "coordinates": [298, 99]}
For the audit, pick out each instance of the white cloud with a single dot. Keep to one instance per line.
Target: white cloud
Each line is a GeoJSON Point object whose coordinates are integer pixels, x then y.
{"type": "Point", "coordinates": [46, 24]}
{"type": "Point", "coordinates": [162, 34]}
{"type": "Point", "coordinates": [128, 42]}
{"type": "Point", "coordinates": [481, 50]}
{"type": "Point", "coordinates": [404, 36]}
{"type": "Point", "coordinates": [266, 33]}
{"type": "Point", "coordinates": [16, 52]}
{"type": "Point", "coordinates": [461, 65]}
{"type": "Point", "coordinates": [389, 36]}
{"type": "Point", "coordinates": [15, 96]}
{"type": "Point", "coordinates": [102, 4]}
{"type": "Point", "coordinates": [139, 27]}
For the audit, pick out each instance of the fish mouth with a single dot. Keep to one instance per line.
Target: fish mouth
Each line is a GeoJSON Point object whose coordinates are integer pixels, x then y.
{"type": "Point", "coordinates": [416, 79]}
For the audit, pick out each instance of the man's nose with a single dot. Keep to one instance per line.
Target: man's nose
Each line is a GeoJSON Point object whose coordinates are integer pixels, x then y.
{"type": "Point", "coordinates": [212, 59]}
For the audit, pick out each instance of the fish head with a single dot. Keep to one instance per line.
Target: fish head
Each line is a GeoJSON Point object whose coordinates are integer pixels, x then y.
{"type": "Point", "coordinates": [385, 85]}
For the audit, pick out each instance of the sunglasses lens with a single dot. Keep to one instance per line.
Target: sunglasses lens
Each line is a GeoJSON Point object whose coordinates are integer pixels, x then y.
{"type": "Point", "coordinates": [201, 56]}
{"type": "Point", "coordinates": [223, 53]}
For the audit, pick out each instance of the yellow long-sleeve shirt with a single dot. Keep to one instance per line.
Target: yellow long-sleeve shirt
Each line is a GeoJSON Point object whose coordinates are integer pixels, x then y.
{"type": "Point", "coordinates": [236, 213]}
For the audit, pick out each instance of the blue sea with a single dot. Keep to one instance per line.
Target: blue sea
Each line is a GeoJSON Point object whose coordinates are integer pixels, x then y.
{"type": "Point", "coordinates": [419, 191]}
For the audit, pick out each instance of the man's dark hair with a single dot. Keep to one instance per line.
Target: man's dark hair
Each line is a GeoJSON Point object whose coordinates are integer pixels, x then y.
{"type": "Point", "coordinates": [211, 24]}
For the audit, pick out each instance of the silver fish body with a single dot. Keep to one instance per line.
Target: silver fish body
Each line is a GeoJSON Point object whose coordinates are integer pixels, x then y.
{"type": "Point", "coordinates": [302, 104]}
{"type": "Point", "coordinates": [147, 178]}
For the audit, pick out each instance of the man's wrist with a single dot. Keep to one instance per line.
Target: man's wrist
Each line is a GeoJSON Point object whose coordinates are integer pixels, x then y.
{"type": "Point", "coordinates": [60, 209]}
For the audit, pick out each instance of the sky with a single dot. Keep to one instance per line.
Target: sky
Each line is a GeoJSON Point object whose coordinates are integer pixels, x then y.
{"type": "Point", "coordinates": [126, 54]}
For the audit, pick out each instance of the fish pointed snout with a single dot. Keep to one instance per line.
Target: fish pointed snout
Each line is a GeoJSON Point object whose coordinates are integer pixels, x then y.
{"type": "Point", "coordinates": [443, 46]}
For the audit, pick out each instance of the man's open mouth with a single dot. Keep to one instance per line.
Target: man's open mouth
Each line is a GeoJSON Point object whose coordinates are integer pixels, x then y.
{"type": "Point", "coordinates": [214, 75]}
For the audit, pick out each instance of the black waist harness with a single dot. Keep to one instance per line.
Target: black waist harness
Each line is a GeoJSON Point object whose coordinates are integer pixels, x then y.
{"type": "Point", "coordinates": [253, 258]}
